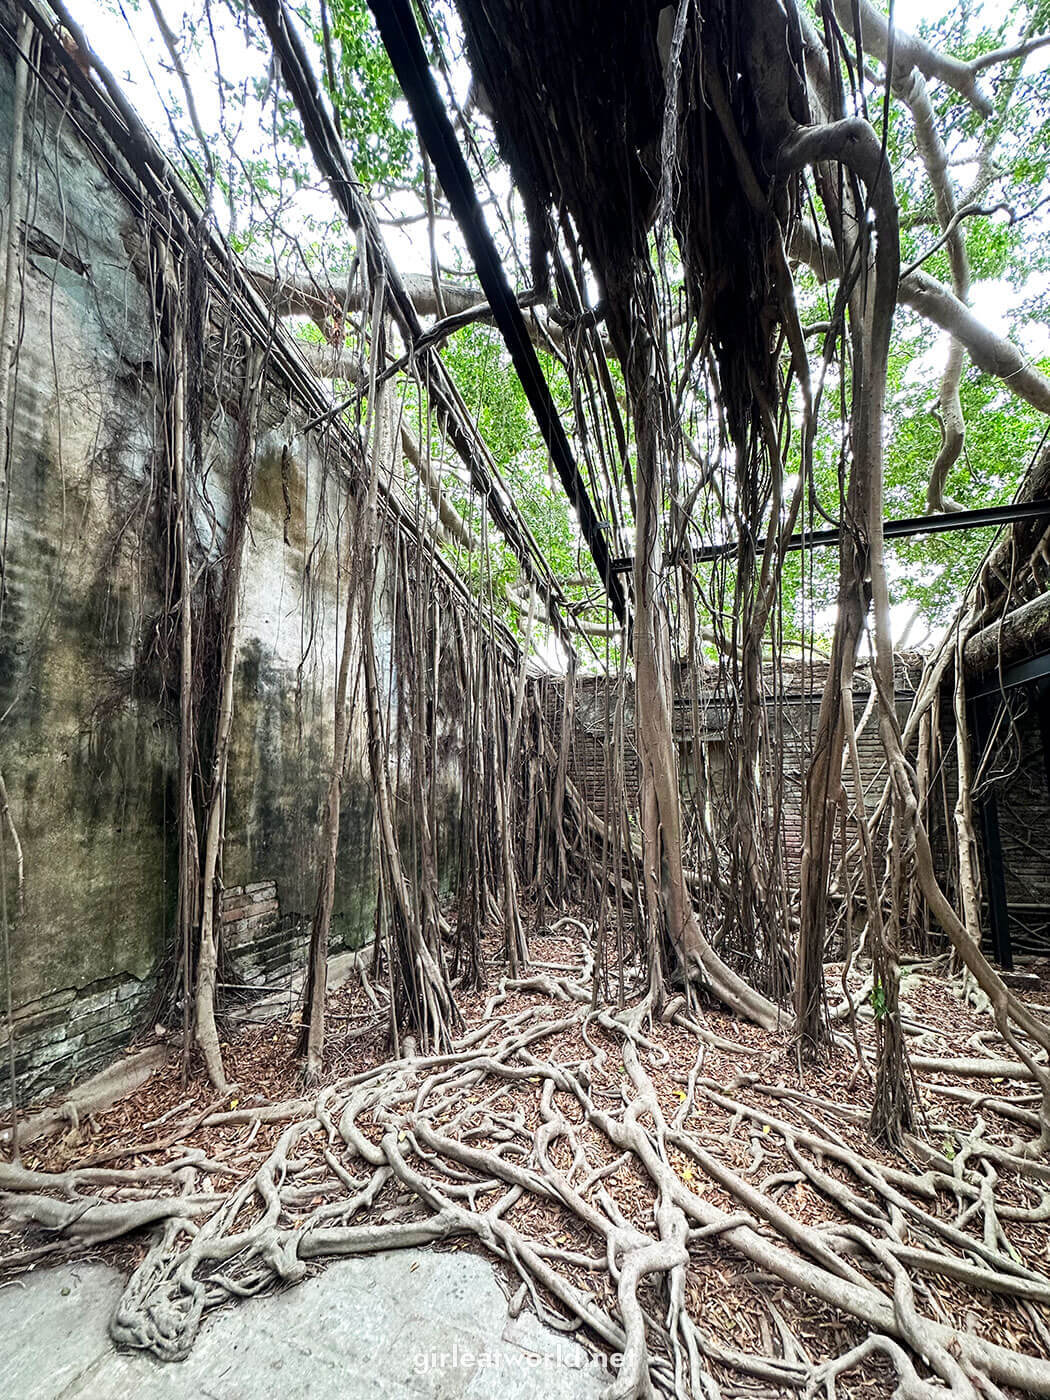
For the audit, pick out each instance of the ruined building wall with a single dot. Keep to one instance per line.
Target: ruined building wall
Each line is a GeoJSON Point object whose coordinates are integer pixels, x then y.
{"type": "Point", "coordinates": [88, 736]}
{"type": "Point", "coordinates": [792, 708]}
{"type": "Point", "coordinates": [1020, 776]}
{"type": "Point", "coordinates": [1016, 775]}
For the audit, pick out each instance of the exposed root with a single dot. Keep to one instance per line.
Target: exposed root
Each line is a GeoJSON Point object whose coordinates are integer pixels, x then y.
{"type": "Point", "coordinates": [587, 1151]}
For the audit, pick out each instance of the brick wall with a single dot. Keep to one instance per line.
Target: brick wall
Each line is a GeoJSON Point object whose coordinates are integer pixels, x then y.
{"type": "Point", "coordinates": [1017, 775]}
{"type": "Point", "coordinates": [260, 947]}
{"type": "Point", "coordinates": [1020, 783]}
{"type": "Point", "coordinates": [73, 1032]}
{"type": "Point", "coordinates": [791, 716]}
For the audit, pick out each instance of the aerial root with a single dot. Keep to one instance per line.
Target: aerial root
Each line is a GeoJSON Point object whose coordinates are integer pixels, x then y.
{"type": "Point", "coordinates": [541, 1115]}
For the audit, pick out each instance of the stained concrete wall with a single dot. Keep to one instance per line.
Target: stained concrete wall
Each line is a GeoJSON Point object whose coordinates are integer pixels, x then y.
{"type": "Point", "coordinates": [88, 768]}
{"type": "Point", "coordinates": [88, 734]}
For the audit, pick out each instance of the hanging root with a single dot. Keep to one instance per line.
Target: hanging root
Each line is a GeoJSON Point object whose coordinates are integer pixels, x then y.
{"type": "Point", "coordinates": [626, 1186]}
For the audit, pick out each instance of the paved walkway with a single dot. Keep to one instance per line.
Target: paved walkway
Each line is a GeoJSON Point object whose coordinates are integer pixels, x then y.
{"type": "Point", "coordinates": [396, 1326]}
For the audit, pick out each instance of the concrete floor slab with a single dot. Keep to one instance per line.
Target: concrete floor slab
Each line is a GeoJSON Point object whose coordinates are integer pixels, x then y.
{"type": "Point", "coordinates": [407, 1325]}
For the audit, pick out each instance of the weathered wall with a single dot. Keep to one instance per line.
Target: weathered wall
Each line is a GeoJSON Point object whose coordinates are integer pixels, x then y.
{"type": "Point", "coordinates": [88, 733]}
{"type": "Point", "coordinates": [1017, 775]}
{"type": "Point", "coordinates": [792, 711]}
{"type": "Point", "coordinates": [88, 772]}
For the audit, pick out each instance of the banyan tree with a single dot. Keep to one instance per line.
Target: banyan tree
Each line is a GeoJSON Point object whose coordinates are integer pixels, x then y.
{"type": "Point", "coordinates": [476, 610]}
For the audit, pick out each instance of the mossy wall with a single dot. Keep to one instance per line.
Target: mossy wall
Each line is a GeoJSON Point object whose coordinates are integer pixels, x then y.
{"type": "Point", "coordinates": [88, 723]}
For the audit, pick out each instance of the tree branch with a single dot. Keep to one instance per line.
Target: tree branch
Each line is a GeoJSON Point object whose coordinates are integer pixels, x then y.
{"type": "Point", "coordinates": [1018, 50]}
{"type": "Point", "coordinates": [911, 52]}
{"type": "Point", "coordinates": [992, 353]}
{"type": "Point", "coordinates": [304, 294]}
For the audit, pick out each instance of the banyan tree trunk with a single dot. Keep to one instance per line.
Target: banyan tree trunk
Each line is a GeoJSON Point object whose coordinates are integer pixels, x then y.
{"type": "Point", "coordinates": [823, 792]}
{"type": "Point", "coordinates": [668, 901]}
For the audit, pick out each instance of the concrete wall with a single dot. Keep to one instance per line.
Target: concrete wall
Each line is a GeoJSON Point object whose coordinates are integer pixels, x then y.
{"type": "Point", "coordinates": [87, 759]}
{"type": "Point", "coordinates": [88, 722]}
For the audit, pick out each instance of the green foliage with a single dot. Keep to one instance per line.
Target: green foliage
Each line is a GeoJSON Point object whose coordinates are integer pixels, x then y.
{"type": "Point", "coordinates": [366, 92]}
{"type": "Point", "coordinates": [1001, 164]}
{"type": "Point", "coordinates": [878, 1000]}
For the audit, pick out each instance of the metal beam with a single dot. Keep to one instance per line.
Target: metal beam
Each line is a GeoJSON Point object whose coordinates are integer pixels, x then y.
{"type": "Point", "coordinates": [980, 518]}
{"type": "Point", "coordinates": [1037, 668]}
{"type": "Point", "coordinates": [397, 28]}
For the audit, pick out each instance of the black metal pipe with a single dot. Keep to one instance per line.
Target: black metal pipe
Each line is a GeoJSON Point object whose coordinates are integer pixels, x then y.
{"type": "Point", "coordinates": [979, 518]}
{"type": "Point", "coordinates": [397, 28]}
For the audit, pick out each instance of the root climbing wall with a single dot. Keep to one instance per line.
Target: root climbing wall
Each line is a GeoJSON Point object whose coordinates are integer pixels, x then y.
{"type": "Point", "coordinates": [88, 734]}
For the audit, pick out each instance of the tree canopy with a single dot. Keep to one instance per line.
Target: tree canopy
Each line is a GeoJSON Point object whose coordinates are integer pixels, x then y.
{"type": "Point", "coordinates": [972, 187]}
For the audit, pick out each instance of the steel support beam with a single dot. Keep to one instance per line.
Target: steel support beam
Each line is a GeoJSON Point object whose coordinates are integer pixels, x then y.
{"type": "Point", "coordinates": [400, 35]}
{"type": "Point", "coordinates": [980, 518]}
